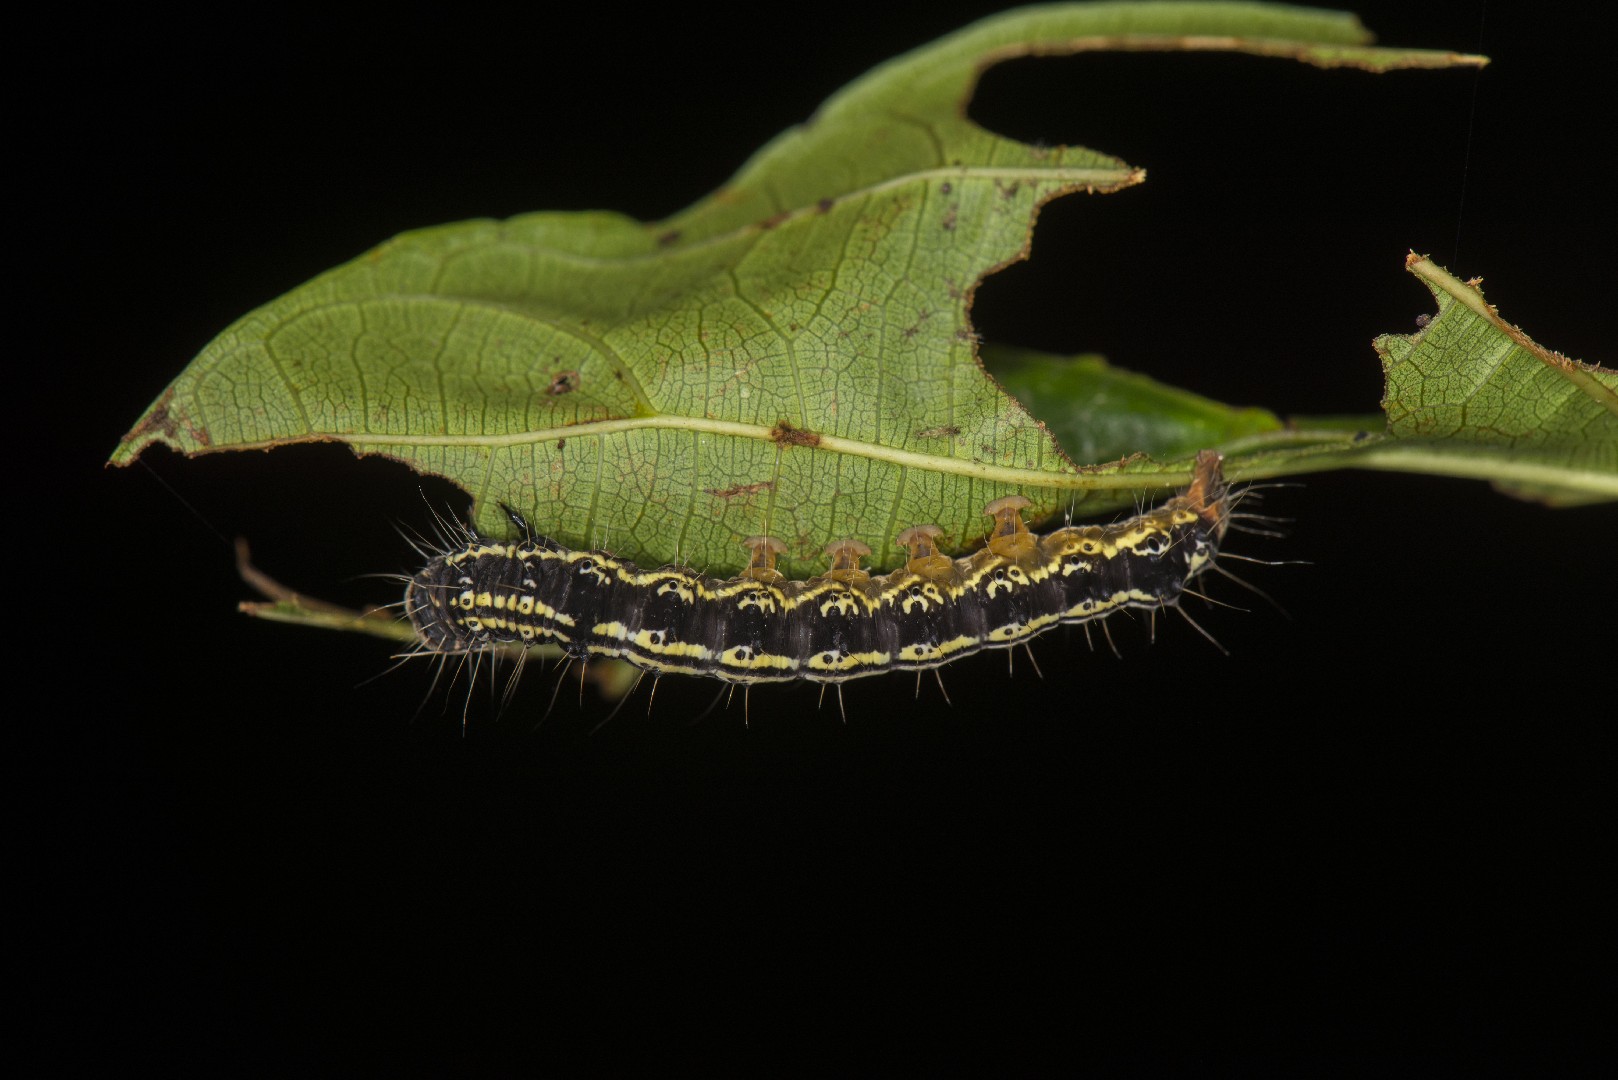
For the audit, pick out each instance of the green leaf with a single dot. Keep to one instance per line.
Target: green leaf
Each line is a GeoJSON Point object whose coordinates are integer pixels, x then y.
{"type": "Point", "coordinates": [792, 355]}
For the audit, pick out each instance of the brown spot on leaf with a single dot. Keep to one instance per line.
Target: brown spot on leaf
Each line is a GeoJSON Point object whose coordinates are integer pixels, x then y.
{"type": "Point", "coordinates": [157, 420]}
{"type": "Point", "coordinates": [563, 382]}
{"type": "Point", "coordinates": [737, 491]}
{"type": "Point", "coordinates": [825, 205]}
{"type": "Point", "coordinates": [948, 223]}
{"type": "Point", "coordinates": [165, 421]}
{"type": "Point", "coordinates": [561, 444]}
{"type": "Point", "coordinates": [946, 187]}
{"type": "Point", "coordinates": [942, 431]}
{"type": "Point", "coordinates": [774, 219]}
{"type": "Point", "coordinates": [669, 238]}
{"type": "Point", "coordinates": [787, 435]}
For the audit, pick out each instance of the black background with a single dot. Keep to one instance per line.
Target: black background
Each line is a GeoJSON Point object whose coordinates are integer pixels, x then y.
{"type": "Point", "coordinates": [1370, 835]}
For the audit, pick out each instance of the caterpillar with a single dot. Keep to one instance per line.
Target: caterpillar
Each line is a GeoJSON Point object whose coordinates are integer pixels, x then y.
{"type": "Point", "coordinates": [760, 627]}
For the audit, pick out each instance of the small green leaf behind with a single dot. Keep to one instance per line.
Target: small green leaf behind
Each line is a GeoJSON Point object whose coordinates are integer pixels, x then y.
{"type": "Point", "coordinates": [1102, 413]}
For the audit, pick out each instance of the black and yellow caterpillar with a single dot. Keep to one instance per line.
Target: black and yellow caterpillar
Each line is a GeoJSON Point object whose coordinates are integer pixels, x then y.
{"type": "Point", "coordinates": [760, 627]}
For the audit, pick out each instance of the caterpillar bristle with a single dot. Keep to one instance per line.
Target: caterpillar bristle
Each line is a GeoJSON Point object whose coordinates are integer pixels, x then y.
{"type": "Point", "coordinates": [1250, 587]}
{"type": "Point", "coordinates": [1248, 530]}
{"type": "Point", "coordinates": [1186, 615]}
{"type": "Point", "coordinates": [1206, 599]}
{"type": "Point", "coordinates": [1106, 631]}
